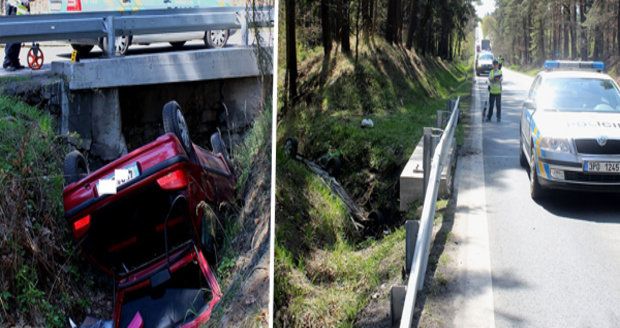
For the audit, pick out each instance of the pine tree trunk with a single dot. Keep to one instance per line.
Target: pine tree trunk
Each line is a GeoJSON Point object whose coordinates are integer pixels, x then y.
{"type": "Point", "coordinates": [423, 38]}
{"type": "Point", "coordinates": [565, 31]}
{"type": "Point", "coordinates": [541, 39]}
{"type": "Point", "coordinates": [584, 35]}
{"type": "Point", "coordinates": [573, 30]}
{"type": "Point", "coordinates": [345, 30]}
{"type": "Point", "coordinates": [291, 51]}
{"type": "Point", "coordinates": [390, 25]}
{"type": "Point", "coordinates": [366, 19]}
{"type": "Point", "coordinates": [618, 28]}
{"type": "Point", "coordinates": [325, 26]}
{"type": "Point", "coordinates": [413, 23]}
{"type": "Point", "coordinates": [445, 31]}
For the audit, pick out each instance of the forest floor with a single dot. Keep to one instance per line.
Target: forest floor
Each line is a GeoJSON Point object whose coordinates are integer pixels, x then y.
{"type": "Point", "coordinates": [327, 272]}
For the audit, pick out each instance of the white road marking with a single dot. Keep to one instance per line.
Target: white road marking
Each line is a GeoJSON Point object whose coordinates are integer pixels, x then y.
{"type": "Point", "coordinates": [474, 303]}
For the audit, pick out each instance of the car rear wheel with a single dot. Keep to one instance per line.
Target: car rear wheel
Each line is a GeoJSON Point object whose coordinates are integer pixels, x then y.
{"type": "Point", "coordinates": [177, 45]}
{"type": "Point", "coordinates": [174, 123]}
{"type": "Point", "coordinates": [82, 49]}
{"type": "Point", "coordinates": [216, 38]}
{"type": "Point", "coordinates": [75, 167]}
{"type": "Point", "coordinates": [219, 147]}
{"type": "Point", "coordinates": [536, 191]}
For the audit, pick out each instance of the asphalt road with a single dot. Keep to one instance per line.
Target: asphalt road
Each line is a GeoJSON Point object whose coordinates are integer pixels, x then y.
{"type": "Point", "coordinates": [59, 51]}
{"type": "Point", "coordinates": [555, 263]}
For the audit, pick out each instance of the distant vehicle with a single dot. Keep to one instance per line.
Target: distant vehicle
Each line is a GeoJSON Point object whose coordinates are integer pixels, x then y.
{"type": "Point", "coordinates": [485, 45]}
{"type": "Point", "coordinates": [570, 129]}
{"type": "Point", "coordinates": [140, 220]}
{"type": "Point", "coordinates": [484, 63]}
{"type": "Point", "coordinates": [211, 38]}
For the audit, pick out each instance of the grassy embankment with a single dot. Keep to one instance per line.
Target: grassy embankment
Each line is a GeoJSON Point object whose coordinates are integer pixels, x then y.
{"type": "Point", "coordinates": [41, 280]}
{"type": "Point", "coordinates": [326, 272]}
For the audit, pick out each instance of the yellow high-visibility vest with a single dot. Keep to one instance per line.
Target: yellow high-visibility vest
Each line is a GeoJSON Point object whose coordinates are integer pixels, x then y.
{"type": "Point", "coordinates": [496, 86]}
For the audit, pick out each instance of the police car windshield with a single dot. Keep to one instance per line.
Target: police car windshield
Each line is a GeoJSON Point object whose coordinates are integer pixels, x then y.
{"type": "Point", "coordinates": [567, 94]}
{"type": "Point", "coordinates": [486, 57]}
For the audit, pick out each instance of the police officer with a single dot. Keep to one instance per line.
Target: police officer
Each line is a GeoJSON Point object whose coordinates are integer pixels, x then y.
{"type": "Point", "coordinates": [495, 91]}
{"type": "Point", "coordinates": [11, 50]}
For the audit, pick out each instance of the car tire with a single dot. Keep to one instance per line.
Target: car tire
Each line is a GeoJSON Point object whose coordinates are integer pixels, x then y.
{"type": "Point", "coordinates": [75, 167]}
{"type": "Point", "coordinates": [522, 159]}
{"type": "Point", "coordinates": [82, 49]}
{"type": "Point", "coordinates": [290, 147]}
{"type": "Point", "coordinates": [177, 45]}
{"type": "Point", "coordinates": [219, 147]}
{"type": "Point", "coordinates": [174, 123]}
{"type": "Point", "coordinates": [216, 38]}
{"type": "Point", "coordinates": [536, 191]}
{"type": "Point", "coordinates": [122, 45]}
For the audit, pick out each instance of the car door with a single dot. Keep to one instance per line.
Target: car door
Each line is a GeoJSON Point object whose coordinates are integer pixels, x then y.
{"type": "Point", "coordinates": [528, 112]}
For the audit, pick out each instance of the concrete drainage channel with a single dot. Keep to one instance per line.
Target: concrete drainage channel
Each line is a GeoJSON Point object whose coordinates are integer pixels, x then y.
{"type": "Point", "coordinates": [427, 174]}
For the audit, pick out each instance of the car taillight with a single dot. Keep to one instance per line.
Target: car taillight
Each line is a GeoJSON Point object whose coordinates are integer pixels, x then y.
{"type": "Point", "coordinates": [173, 180]}
{"type": "Point", "coordinates": [80, 226]}
{"type": "Point", "coordinates": [74, 5]}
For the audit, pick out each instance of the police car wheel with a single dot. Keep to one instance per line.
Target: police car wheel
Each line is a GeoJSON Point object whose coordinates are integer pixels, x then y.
{"type": "Point", "coordinates": [522, 158]}
{"type": "Point", "coordinates": [536, 191]}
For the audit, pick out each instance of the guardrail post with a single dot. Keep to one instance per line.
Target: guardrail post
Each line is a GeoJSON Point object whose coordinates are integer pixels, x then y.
{"type": "Point", "coordinates": [111, 38]}
{"type": "Point", "coordinates": [450, 105]}
{"type": "Point", "coordinates": [442, 118]}
{"type": "Point", "coordinates": [411, 235]}
{"type": "Point", "coordinates": [427, 155]}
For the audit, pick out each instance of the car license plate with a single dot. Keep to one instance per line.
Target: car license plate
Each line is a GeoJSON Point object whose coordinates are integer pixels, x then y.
{"type": "Point", "coordinates": [109, 184]}
{"type": "Point", "coordinates": [602, 167]}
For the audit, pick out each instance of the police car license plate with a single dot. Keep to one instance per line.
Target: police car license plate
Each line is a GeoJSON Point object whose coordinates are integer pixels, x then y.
{"type": "Point", "coordinates": [602, 167]}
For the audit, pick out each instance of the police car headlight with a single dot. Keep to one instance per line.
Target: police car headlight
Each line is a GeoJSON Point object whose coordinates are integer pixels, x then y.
{"type": "Point", "coordinates": [558, 145]}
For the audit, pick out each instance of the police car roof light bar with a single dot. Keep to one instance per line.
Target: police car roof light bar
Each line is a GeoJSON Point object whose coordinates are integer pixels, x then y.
{"type": "Point", "coordinates": [567, 65]}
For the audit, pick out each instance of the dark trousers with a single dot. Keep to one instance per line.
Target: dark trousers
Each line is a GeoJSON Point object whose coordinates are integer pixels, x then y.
{"type": "Point", "coordinates": [495, 100]}
{"type": "Point", "coordinates": [11, 50]}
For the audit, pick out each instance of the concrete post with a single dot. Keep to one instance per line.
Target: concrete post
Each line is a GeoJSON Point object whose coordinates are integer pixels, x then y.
{"type": "Point", "coordinates": [96, 117]}
{"type": "Point", "coordinates": [108, 142]}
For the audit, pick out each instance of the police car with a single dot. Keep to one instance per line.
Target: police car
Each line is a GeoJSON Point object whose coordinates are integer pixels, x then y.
{"type": "Point", "coordinates": [570, 129]}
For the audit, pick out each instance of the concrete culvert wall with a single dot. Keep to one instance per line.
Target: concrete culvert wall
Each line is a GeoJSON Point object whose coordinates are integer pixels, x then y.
{"type": "Point", "coordinates": [228, 105]}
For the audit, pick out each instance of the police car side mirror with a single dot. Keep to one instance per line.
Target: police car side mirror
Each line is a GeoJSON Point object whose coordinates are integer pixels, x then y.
{"type": "Point", "coordinates": [529, 104]}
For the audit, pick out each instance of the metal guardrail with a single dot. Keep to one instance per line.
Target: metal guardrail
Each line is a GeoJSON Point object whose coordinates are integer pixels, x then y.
{"type": "Point", "coordinates": [74, 26]}
{"type": "Point", "coordinates": [423, 240]}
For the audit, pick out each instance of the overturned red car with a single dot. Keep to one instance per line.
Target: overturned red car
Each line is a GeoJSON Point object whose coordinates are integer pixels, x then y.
{"type": "Point", "coordinates": [141, 219]}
